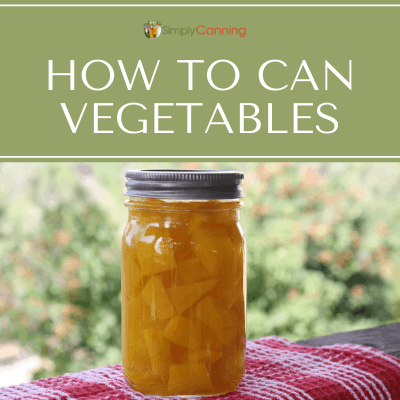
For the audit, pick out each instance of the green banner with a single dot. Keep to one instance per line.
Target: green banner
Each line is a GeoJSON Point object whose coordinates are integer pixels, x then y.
{"type": "Point", "coordinates": [205, 81]}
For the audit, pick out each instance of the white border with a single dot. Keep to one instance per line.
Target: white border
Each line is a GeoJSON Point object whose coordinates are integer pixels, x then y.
{"type": "Point", "coordinates": [255, 157]}
{"type": "Point", "coordinates": [199, 5]}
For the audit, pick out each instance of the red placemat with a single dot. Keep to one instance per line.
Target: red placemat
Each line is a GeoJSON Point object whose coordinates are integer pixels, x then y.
{"type": "Point", "coordinates": [276, 369]}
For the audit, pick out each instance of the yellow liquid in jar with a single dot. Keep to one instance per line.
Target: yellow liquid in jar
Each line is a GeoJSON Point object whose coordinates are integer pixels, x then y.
{"type": "Point", "coordinates": [183, 297]}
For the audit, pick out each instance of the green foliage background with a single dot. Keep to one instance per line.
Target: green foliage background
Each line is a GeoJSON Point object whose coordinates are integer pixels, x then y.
{"type": "Point", "coordinates": [323, 253]}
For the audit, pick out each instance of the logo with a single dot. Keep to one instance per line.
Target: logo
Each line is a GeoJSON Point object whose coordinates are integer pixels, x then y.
{"type": "Point", "coordinates": [152, 30]}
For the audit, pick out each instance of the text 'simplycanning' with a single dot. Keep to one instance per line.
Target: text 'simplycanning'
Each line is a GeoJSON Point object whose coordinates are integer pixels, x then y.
{"type": "Point", "coordinates": [204, 30]}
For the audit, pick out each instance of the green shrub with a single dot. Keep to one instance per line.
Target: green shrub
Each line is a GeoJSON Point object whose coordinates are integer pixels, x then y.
{"type": "Point", "coordinates": [318, 260]}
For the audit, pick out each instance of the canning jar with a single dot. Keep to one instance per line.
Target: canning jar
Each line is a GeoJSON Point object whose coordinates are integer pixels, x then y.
{"type": "Point", "coordinates": [183, 283]}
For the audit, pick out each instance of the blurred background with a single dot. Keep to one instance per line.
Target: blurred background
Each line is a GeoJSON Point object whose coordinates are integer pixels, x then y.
{"type": "Point", "coordinates": [323, 256]}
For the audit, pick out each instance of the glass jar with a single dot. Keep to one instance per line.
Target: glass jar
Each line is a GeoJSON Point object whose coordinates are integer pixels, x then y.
{"type": "Point", "coordinates": [183, 283]}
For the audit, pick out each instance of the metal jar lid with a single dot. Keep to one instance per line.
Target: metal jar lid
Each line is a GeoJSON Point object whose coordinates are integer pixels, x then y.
{"type": "Point", "coordinates": [190, 184]}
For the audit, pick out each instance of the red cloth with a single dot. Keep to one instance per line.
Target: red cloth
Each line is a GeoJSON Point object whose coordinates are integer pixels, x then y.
{"type": "Point", "coordinates": [276, 369]}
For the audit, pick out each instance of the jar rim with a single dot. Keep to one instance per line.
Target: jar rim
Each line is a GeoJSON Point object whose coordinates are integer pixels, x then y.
{"type": "Point", "coordinates": [183, 205]}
